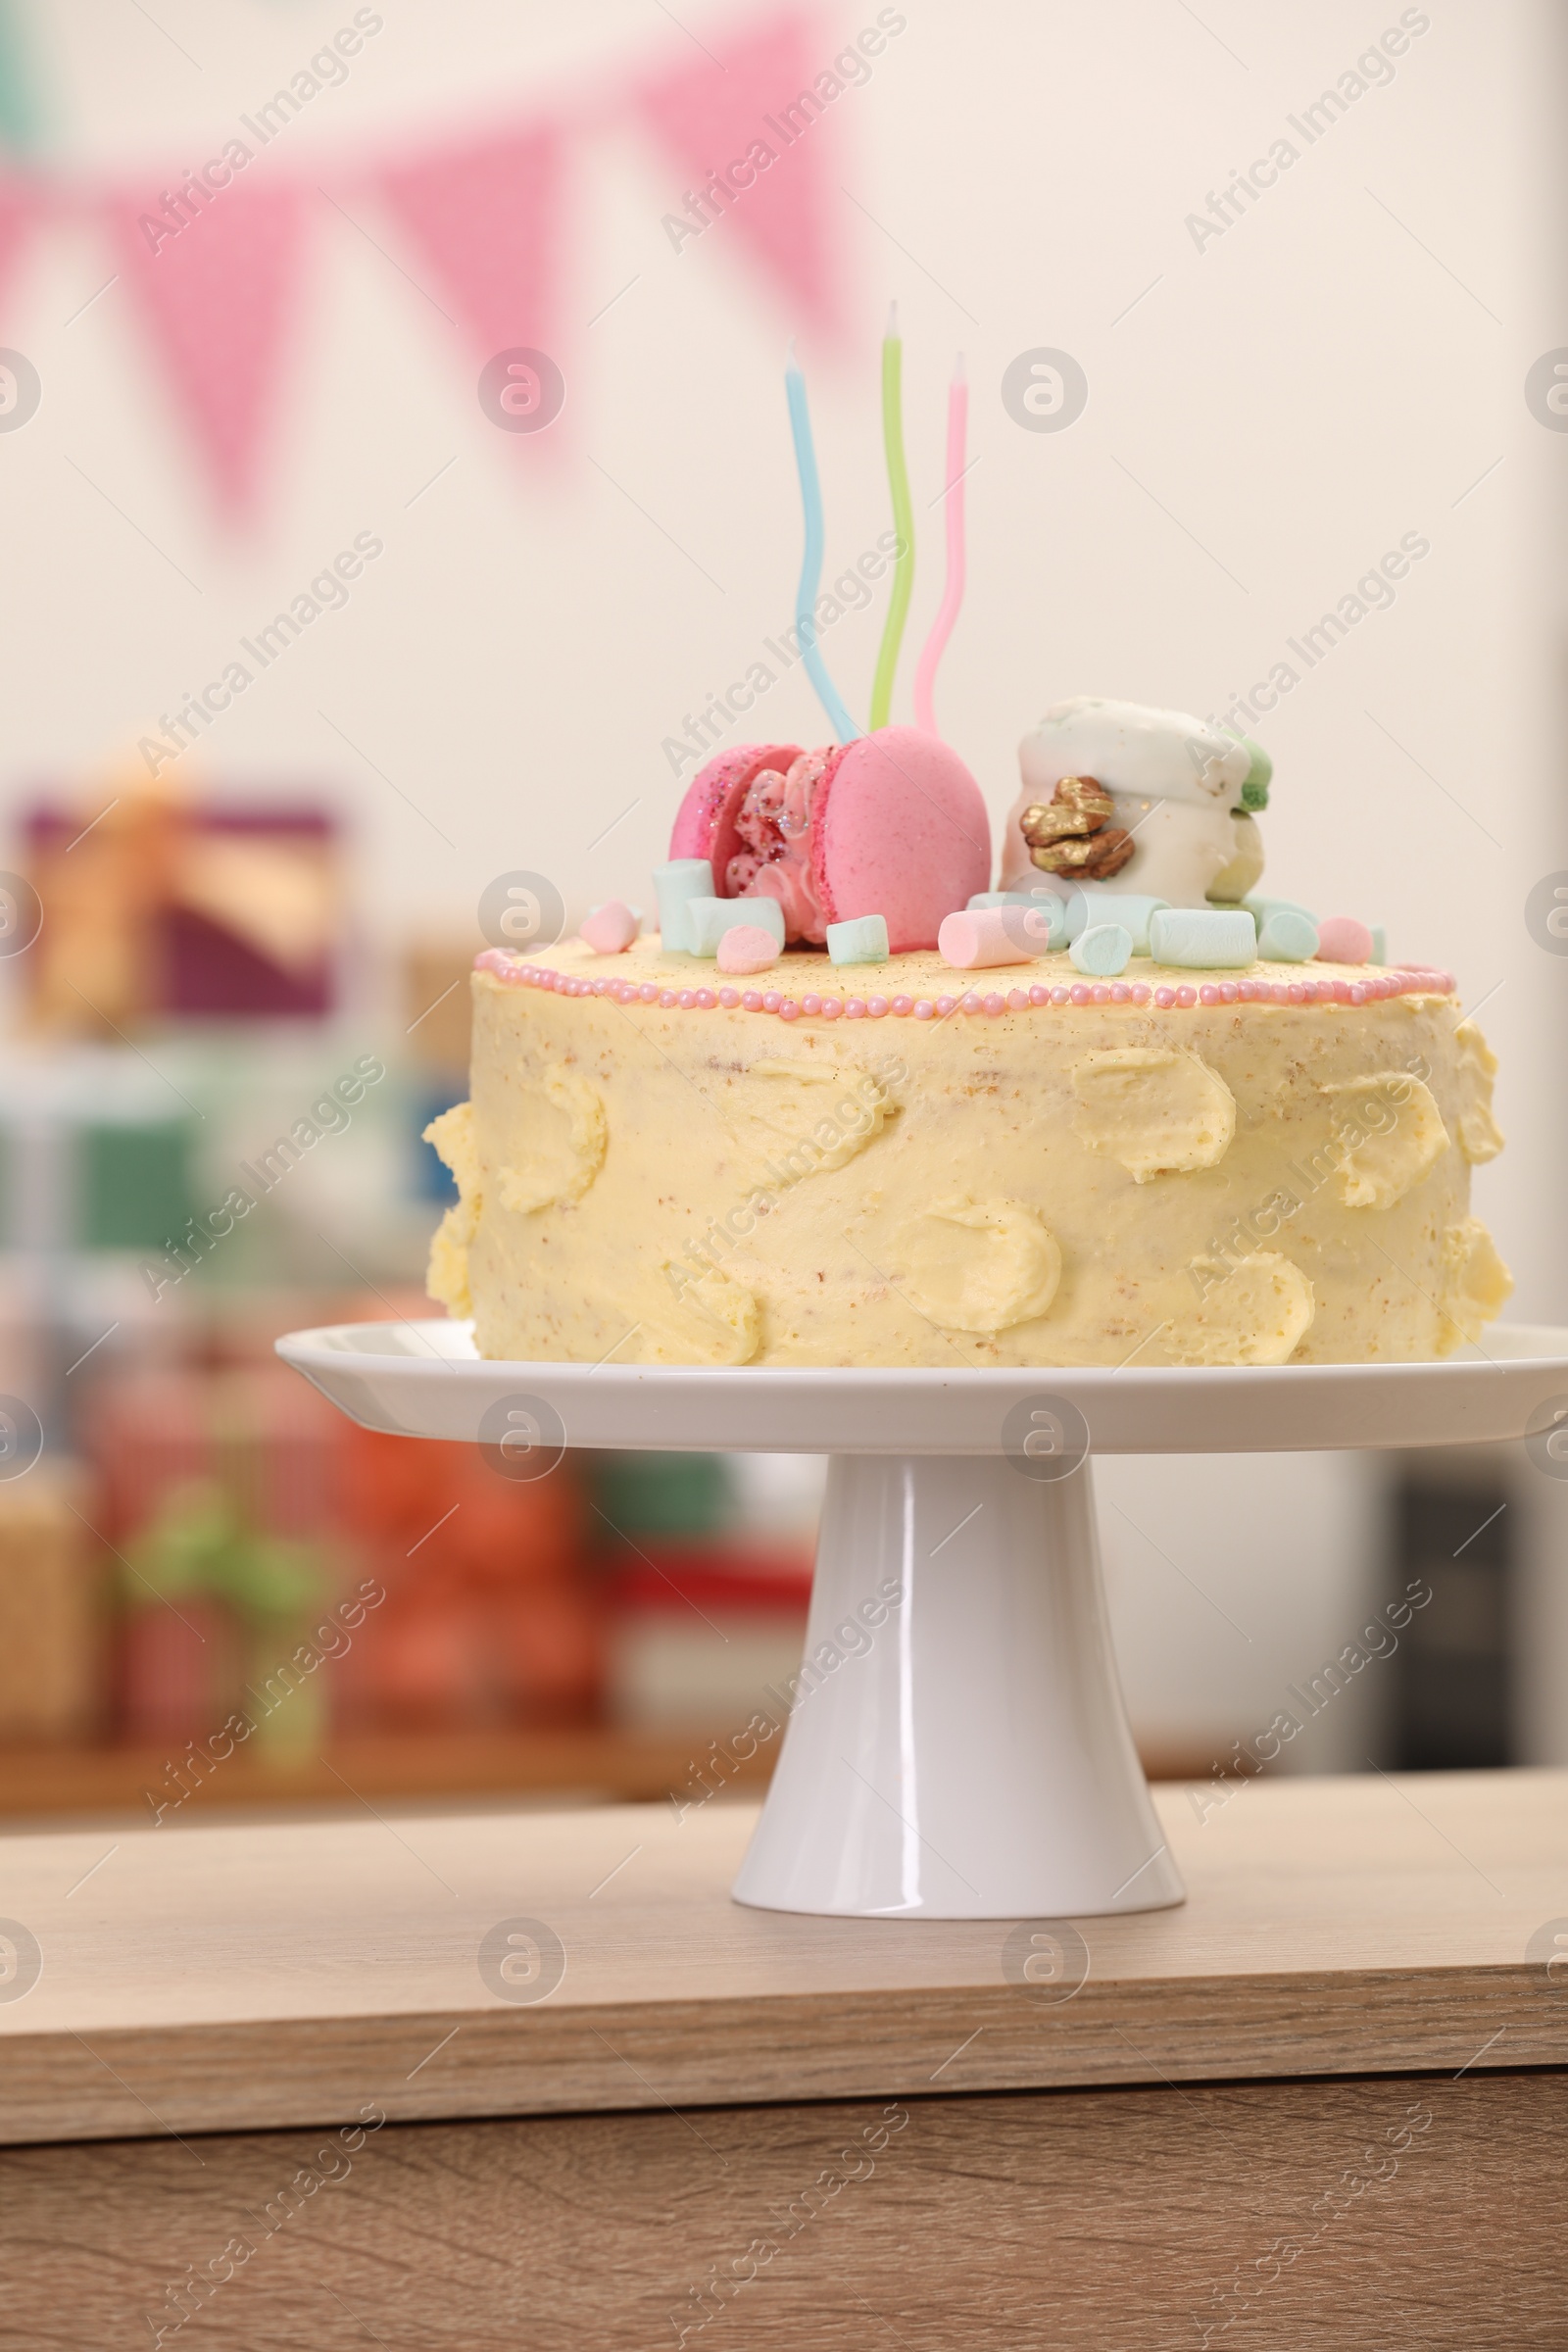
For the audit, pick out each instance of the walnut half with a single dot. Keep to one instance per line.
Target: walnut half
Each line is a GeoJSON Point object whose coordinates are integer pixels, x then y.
{"type": "Point", "coordinates": [1092, 860]}
{"type": "Point", "coordinates": [1079, 804]}
{"type": "Point", "coordinates": [1068, 833]}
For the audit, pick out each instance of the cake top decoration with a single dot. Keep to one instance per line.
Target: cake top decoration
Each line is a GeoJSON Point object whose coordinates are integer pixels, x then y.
{"type": "Point", "coordinates": [1152, 808]}
{"type": "Point", "coordinates": [1152, 802]}
{"type": "Point", "coordinates": [889, 825]}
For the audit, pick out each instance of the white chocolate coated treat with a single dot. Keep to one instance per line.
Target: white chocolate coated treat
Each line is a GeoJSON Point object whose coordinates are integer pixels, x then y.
{"type": "Point", "coordinates": [1175, 782]}
{"type": "Point", "coordinates": [1165, 755]}
{"type": "Point", "coordinates": [1236, 1182]}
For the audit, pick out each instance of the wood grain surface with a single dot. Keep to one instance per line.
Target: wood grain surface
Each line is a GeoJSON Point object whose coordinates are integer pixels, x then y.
{"type": "Point", "coordinates": [1353, 2215]}
{"type": "Point", "coordinates": [567, 1761]}
{"type": "Point", "coordinates": [213, 1979]}
{"type": "Point", "coordinates": [573, 1763]}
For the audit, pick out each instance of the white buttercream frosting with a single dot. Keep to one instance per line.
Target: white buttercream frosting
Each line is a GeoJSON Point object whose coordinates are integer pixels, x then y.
{"type": "Point", "coordinates": [565, 1135]}
{"type": "Point", "coordinates": [1067, 1183]}
{"type": "Point", "coordinates": [1159, 1111]}
{"type": "Point", "coordinates": [979, 1265]}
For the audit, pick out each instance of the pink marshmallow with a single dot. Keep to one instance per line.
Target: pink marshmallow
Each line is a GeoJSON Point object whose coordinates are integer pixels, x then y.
{"type": "Point", "coordinates": [746, 947]}
{"type": "Point", "coordinates": [1343, 940]}
{"type": "Point", "coordinates": [610, 928]}
{"type": "Point", "coordinates": [978, 937]}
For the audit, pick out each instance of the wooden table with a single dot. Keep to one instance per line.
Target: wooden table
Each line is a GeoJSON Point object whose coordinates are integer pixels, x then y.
{"type": "Point", "coordinates": [264, 2079]}
{"type": "Point", "coordinates": [568, 1761]}
{"type": "Point", "coordinates": [601, 1763]}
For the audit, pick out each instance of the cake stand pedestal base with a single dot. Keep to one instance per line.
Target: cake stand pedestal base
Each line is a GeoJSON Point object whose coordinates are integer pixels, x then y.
{"type": "Point", "coordinates": [957, 1747]}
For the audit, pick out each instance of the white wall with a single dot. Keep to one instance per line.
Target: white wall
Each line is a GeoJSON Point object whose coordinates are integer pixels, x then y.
{"type": "Point", "coordinates": [1342, 366]}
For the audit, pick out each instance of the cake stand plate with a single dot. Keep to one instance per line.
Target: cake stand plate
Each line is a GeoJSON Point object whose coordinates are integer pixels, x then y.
{"type": "Point", "coordinates": [957, 1744]}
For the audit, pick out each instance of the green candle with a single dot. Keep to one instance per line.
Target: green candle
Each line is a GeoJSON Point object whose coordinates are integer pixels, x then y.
{"type": "Point", "coordinates": [887, 660]}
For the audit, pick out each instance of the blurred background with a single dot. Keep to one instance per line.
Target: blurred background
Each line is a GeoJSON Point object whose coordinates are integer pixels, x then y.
{"type": "Point", "coordinates": [307, 636]}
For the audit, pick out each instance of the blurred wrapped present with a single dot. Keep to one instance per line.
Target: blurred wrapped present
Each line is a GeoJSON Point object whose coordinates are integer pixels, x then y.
{"type": "Point", "coordinates": [437, 1004]}
{"type": "Point", "coordinates": [700, 1640]}
{"type": "Point", "coordinates": [274, 1444]}
{"type": "Point", "coordinates": [221, 1492]}
{"type": "Point", "coordinates": [491, 1614]}
{"type": "Point", "coordinates": [52, 1622]}
{"type": "Point", "coordinates": [706, 1563]}
{"type": "Point", "coordinates": [218, 1611]}
{"type": "Point", "coordinates": [159, 910]}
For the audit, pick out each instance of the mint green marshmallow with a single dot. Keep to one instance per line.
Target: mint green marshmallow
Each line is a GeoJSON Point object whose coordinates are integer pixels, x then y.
{"type": "Point", "coordinates": [1102, 951]}
{"type": "Point", "coordinates": [1134, 914]}
{"type": "Point", "coordinates": [1206, 939]}
{"type": "Point", "coordinates": [1287, 937]}
{"type": "Point", "coordinates": [1260, 907]}
{"type": "Point", "coordinates": [863, 940]}
{"type": "Point", "coordinates": [675, 886]}
{"type": "Point", "coordinates": [708, 920]}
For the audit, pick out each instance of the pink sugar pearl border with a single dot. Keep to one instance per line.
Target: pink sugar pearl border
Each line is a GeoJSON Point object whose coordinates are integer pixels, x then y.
{"type": "Point", "coordinates": [1403, 980]}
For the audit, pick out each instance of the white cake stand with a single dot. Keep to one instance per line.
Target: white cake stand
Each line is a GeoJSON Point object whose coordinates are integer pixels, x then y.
{"type": "Point", "coordinates": [959, 1749]}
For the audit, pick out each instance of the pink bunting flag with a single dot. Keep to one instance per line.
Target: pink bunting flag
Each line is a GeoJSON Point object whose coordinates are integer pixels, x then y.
{"type": "Point", "coordinates": [481, 219]}
{"type": "Point", "coordinates": [749, 134]}
{"type": "Point", "coordinates": [217, 287]}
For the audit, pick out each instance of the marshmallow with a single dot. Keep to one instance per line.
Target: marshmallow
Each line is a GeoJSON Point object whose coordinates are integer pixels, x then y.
{"type": "Point", "coordinates": [988, 935]}
{"type": "Point", "coordinates": [864, 940]}
{"type": "Point", "coordinates": [766, 913]}
{"type": "Point", "coordinates": [683, 879]}
{"type": "Point", "coordinates": [1287, 937]}
{"type": "Point", "coordinates": [1260, 907]}
{"type": "Point", "coordinates": [1380, 944]}
{"type": "Point", "coordinates": [746, 947]}
{"type": "Point", "coordinates": [708, 920]}
{"type": "Point", "coordinates": [612, 927]}
{"type": "Point", "coordinates": [1211, 939]}
{"type": "Point", "coordinates": [1104, 949]}
{"type": "Point", "coordinates": [1051, 905]}
{"type": "Point", "coordinates": [1018, 898]}
{"type": "Point", "coordinates": [1343, 940]}
{"type": "Point", "coordinates": [1087, 906]}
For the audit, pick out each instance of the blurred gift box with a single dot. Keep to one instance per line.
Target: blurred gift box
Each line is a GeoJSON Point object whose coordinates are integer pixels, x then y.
{"type": "Point", "coordinates": [693, 1641]}
{"type": "Point", "coordinates": [491, 1614]}
{"type": "Point", "coordinates": [53, 1617]}
{"type": "Point", "coordinates": [164, 910]}
{"type": "Point", "coordinates": [708, 1593]}
{"type": "Point", "coordinates": [243, 1508]}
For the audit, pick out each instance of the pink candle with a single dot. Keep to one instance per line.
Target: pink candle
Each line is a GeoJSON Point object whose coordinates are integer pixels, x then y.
{"type": "Point", "coordinates": [952, 590]}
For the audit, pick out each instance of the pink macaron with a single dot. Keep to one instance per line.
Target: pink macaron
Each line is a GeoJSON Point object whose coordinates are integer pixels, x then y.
{"type": "Point", "coordinates": [897, 828]}
{"type": "Point", "coordinates": [705, 822]}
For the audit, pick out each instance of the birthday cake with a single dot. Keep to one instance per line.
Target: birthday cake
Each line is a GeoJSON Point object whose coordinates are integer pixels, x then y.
{"type": "Point", "coordinates": [852, 1106]}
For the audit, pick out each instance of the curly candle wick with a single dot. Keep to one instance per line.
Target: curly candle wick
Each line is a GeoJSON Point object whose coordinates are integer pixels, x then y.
{"type": "Point", "coordinates": [934, 645]}
{"type": "Point", "coordinates": [887, 661]}
{"type": "Point", "coordinates": [828, 693]}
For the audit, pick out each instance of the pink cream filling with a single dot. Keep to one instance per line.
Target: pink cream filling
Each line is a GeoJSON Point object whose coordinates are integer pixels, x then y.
{"type": "Point", "coordinates": [774, 823]}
